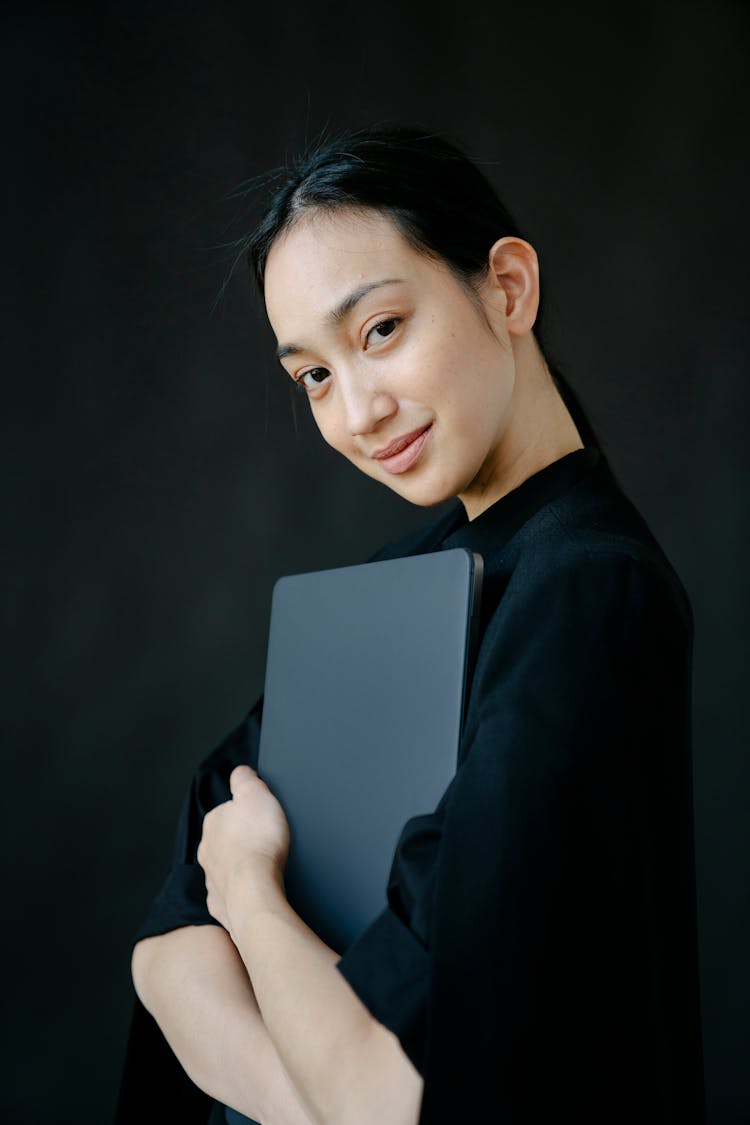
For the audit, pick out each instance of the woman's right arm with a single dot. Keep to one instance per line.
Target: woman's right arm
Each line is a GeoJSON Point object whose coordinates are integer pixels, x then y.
{"type": "Point", "coordinates": [195, 985]}
{"type": "Point", "coordinates": [189, 976]}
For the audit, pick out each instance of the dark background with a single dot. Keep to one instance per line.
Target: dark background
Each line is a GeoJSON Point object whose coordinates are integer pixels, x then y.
{"type": "Point", "coordinates": [157, 478]}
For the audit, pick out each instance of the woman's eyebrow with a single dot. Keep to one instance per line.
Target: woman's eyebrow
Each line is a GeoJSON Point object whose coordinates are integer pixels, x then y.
{"type": "Point", "coordinates": [340, 311]}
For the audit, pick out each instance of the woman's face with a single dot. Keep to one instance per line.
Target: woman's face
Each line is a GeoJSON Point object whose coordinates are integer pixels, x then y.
{"type": "Point", "coordinates": [404, 375]}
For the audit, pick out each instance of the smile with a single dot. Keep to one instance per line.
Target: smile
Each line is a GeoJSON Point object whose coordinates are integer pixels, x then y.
{"type": "Point", "coordinates": [404, 452]}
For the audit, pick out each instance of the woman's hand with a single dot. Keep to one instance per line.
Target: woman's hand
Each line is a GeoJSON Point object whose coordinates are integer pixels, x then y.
{"type": "Point", "coordinates": [245, 843]}
{"type": "Point", "coordinates": [310, 1012]}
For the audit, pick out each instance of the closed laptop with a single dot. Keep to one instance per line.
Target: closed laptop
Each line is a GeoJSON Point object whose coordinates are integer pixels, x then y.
{"type": "Point", "coordinates": [366, 678]}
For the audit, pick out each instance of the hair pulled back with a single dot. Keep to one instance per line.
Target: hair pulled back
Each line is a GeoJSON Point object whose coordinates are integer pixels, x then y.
{"type": "Point", "coordinates": [440, 201]}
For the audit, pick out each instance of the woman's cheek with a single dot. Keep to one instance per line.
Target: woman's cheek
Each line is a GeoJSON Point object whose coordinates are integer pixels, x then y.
{"type": "Point", "coordinates": [336, 437]}
{"type": "Point", "coordinates": [333, 429]}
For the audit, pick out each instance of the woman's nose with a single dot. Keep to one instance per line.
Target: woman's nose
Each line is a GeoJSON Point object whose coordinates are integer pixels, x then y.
{"type": "Point", "coordinates": [366, 404]}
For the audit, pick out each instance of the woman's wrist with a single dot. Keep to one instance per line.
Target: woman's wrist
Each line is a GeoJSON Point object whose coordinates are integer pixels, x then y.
{"type": "Point", "coordinates": [255, 887]}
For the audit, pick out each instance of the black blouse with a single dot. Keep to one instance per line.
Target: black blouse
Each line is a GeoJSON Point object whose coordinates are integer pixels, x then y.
{"type": "Point", "coordinates": [537, 950]}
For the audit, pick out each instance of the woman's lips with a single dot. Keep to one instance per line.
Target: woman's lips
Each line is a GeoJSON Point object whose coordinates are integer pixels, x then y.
{"type": "Point", "coordinates": [402, 453]}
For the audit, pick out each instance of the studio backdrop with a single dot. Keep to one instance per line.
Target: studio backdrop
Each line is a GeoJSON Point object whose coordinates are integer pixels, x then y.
{"type": "Point", "coordinates": [159, 475]}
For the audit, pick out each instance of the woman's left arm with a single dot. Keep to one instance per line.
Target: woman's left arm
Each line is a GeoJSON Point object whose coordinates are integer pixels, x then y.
{"type": "Point", "coordinates": [346, 1067]}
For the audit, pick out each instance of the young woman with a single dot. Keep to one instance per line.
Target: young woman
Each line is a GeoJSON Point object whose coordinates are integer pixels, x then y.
{"type": "Point", "coordinates": [536, 957]}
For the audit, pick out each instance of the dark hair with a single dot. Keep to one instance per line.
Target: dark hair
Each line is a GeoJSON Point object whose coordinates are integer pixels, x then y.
{"type": "Point", "coordinates": [441, 202]}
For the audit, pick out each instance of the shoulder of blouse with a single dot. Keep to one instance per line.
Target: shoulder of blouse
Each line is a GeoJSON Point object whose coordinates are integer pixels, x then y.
{"type": "Point", "coordinates": [593, 570]}
{"type": "Point", "coordinates": [592, 531]}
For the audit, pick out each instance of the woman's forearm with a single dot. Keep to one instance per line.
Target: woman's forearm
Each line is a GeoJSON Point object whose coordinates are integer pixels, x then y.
{"type": "Point", "coordinates": [193, 982]}
{"type": "Point", "coordinates": [347, 1067]}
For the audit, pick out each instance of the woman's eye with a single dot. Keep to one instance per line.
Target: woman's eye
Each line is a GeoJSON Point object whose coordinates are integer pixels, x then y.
{"type": "Point", "coordinates": [312, 378]}
{"type": "Point", "coordinates": [384, 328]}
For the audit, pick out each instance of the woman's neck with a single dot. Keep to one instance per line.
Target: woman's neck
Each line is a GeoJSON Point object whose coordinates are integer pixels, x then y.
{"type": "Point", "coordinates": [537, 430]}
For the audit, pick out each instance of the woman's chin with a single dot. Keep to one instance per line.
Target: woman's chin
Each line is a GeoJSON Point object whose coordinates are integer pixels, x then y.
{"type": "Point", "coordinates": [422, 493]}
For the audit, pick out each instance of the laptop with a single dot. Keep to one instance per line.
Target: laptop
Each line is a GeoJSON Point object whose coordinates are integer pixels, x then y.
{"type": "Point", "coordinates": [366, 683]}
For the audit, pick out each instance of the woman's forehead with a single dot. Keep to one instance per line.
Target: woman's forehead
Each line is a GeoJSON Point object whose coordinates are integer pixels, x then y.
{"type": "Point", "coordinates": [324, 255]}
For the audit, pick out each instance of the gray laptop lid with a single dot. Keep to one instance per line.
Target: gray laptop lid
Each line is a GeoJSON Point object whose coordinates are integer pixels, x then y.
{"type": "Point", "coordinates": [364, 698]}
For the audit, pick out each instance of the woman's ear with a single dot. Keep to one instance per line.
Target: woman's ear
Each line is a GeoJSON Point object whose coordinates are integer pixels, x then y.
{"type": "Point", "coordinates": [510, 288]}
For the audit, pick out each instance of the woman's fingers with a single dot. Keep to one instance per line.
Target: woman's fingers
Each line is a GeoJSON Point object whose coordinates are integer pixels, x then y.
{"type": "Point", "coordinates": [240, 777]}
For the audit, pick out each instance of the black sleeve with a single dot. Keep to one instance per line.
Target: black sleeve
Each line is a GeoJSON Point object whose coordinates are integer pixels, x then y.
{"type": "Point", "coordinates": [558, 965]}
{"type": "Point", "coordinates": [182, 898]}
{"type": "Point", "coordinates": [387, 966]}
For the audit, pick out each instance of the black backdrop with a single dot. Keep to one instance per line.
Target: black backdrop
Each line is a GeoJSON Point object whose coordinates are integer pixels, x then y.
{"type": "Point", "coordinates": [157, 479]}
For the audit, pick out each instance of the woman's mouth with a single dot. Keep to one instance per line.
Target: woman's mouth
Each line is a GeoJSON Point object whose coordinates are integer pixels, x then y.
{"type": "Point", "coordinates": [400, 454]}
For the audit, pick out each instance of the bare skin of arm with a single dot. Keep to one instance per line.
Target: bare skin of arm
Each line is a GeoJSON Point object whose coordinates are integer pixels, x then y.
{"type": "Point", "coordinates": [193, 982]}
{"type": "Point", "coordinates": [347, 1068]}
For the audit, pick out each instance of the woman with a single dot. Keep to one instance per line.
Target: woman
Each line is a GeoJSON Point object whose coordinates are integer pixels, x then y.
{"type": "Point", "coordinates": [536, 957]}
